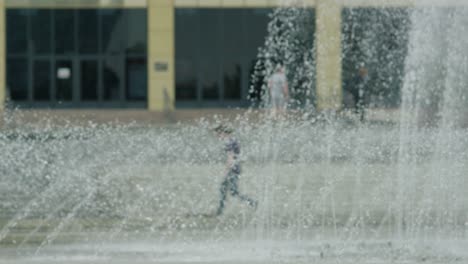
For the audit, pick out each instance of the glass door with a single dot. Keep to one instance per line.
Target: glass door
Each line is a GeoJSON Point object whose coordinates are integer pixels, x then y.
{"type": "Point", "coordinates": [64, 79]}
{"type": "Point", "coordinates": [89, 82]}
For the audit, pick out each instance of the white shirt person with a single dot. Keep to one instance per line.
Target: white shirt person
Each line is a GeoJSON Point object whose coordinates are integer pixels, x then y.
{"type": "Point", "coordinates": [278, 88]}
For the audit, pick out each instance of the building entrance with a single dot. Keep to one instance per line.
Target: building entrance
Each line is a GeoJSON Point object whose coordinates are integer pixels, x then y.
{"type": "Point", "coordinates": [77, 57]}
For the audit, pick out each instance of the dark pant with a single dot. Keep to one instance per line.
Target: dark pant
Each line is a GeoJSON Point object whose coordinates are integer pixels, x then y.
{"type": "Point", "coordinates": [230, 183]}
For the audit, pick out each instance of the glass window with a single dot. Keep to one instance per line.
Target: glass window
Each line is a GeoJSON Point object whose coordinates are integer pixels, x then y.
{"type": "Point", "coordinates": [186, 80]}
{"type": "Point", "coordinates": [16, 27]}
{"type": "Point", "coordinates": [136, 79]}
{"type": "Point", "coordinates": [233, 52]}
{"type": "Point", "coordinates": [187, 26]}
{"type": "Point", "coordinates": [136, 31]}
{"type": "Point", "coordinates": [89, 80]}
{"type": "Point", "coordinates": [63, 80]}
{"type": "Point", "coordinates": [17, 79]}
{"type": "Point", "coordinates": [112, 77]}
{"type": "Point", "coordinates": [232, 80]}
{"type": "Point", "coordinates": [88, 31]}
{"type": "Point", "coordinates": [187, 34]}
{"type": "Point", "coordinates": [233, 33]}
{"type": "Point", "coordinates": [64, 31]}
{"type": "Point", "coordinates": [210, 37]}
{"type": "Point", "coordinates": [113, 31]}
{"type": "Point", "coordinates": [41, 31]}
{"type": "Point", "coordinates": [257, 21]}
{"type": "Point", "coordinates": [374, 46]}
{"type": "Point", "coordinates": [41, 84]}
{"type": "Point", "coordinates": [210, 82]}
{"type": "Point", "coordinates": [79, 55]}
{"type": "Point", "coordinates": [210, 33]}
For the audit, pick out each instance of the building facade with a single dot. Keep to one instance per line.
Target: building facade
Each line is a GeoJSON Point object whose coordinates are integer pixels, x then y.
{"type": "Point", "coordinates": [154, 54]}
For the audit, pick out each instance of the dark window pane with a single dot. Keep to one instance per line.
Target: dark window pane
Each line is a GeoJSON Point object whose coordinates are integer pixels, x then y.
{"type": "Point", "coordinates": [113, 31]}
{"type": "Point", "coordinates": [88, 31]}
{"type": "Point", "coordinates": [64, 31]}
{"type": "Point", "coordinates": [210, 37]}
{"type": "Point", "coordinates": [187, 36]}
{"type": "Point", "coordinates": [16, 27]}
{"type": "Point", "coordinates": [232, 80]}
{"type": "Point", "coordinates": [374, 47]}
{"type": "Point", "coordinates": [41, 85]}
{"type": "Point", "coordinates": [112, 77]}
{"type": "Point", "coordinates": [89, 80]}
{"type": "Point", "coordinates": [136, 31]}
{"type": "Point", "coordinates": [186, 80]}
{"type": "Point", "coordinates": [257, 21]}
{"type": "Point", "coordinates": [233, 33]}
{"type": "Point", "coordinates": [233, 46]}
{"type": "Point", "coordinates": [210, 33]}
{"type": "Point", "coordinates": [41, 31]}
{"type": "Point", "coordinates": [17, 79]}
{"type": "Point", "coordinates": [210, 84]}
{"type": "Point", "coordinates": [64, 80]}
{"type": "Point", "coordinates": [137, 81]}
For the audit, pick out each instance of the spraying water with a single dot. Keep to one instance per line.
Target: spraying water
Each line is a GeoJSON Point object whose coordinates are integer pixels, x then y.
{"type": "Point", "coordinates": [330, 189]}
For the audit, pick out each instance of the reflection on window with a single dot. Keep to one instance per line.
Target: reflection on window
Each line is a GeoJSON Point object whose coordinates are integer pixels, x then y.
{"type": "Point", "coordinates": [41, 22]}
{"type": "Point", "coordinates": [222, 39]}
{"type": "Point", "coordinates": [257, 21]}
{"type": "Point", "coordinates": [17, 39]}
{"type": "Point", "coordinates": [78, 55]}
{"type": "Point", "coordinates": [210, 84]}
{"type": "Point", "coordinates": [64, 80]}
{"type": "Point", "coordinates": [187, 34]}
{"type": "Point", "coordinates": [210, 33]}
{"type": "Point", "coordinates": [17, 79]}
{"type": "Point", "coordinates": [113, 30]}
{"type": "Point", "coordinates": [111, 73]}
{"type": "Point", "coordinates": [234, 32]}
{"type": "Point", "coordinates": [64, 31]}
{"type": "Point", "coordinates": [232, 81]}
{"type": "Point", "coordinates": [89, 78]}
{"type": "Point", "coordinates": [41, 85]}
{"type": "Point", "coordinates": [136, 31]}
{"type": "Point", "coordinates": [136, 79]}
{"type": "Point", "coordinates": [374, 43]}
{"type": "Point", "coordinates": [87, 31]}
{"type": "Point", "coordinates": [186, 82]}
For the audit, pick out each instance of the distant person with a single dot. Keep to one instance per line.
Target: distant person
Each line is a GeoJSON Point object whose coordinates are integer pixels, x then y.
{"type": "Point", "coordinates": [279, 91]}
{"type": "Point", "coordinates": [359, 91]}
{"type": "Point", "coordinates": [233, 169]}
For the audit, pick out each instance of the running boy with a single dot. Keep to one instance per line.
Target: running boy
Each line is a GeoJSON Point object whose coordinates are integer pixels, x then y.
{"type": "Point", "coordinates": [233, 168]}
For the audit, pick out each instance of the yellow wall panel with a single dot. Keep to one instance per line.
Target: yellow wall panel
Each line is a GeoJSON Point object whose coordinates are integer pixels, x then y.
{"type": "Point", "coordinates": [161, 44]}
{"type": "Point", "coordinates": [162, 98]}
{"type": "Point", "coordinates": [163, 17]}
{"type": "Point", "coordinates": [328, 44]}
{"type": "Point", "coordinates": [163, 47]}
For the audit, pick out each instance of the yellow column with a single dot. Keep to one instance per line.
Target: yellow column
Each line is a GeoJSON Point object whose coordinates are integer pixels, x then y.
{"type": "Point", "coordinates": [328, 42]}
{"type": "Point", "coordinates": [2, 54]}
{"type": "Point", "coordinates": [161, 57]}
